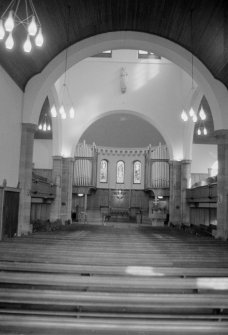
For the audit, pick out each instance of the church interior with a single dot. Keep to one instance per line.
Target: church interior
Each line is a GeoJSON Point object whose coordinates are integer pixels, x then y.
{"type": "Point", "coordinates": [114, 167]}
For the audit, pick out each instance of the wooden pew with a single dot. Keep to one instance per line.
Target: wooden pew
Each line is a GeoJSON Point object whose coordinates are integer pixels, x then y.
{"type": "Point", "coordinates": [37, 325]}
{"type": "Point", "coordinates": [93, 280]}
{"type": "Point", "coordinates": [117, 283]}
{"type": "Point", "coordinates": [113, 270]}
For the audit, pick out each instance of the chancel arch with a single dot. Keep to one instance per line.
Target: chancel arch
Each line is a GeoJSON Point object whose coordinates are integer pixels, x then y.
{"type": "Point", "coordinates": [165, 118]}
{"type": "Point", "coordinates": [213, 90]}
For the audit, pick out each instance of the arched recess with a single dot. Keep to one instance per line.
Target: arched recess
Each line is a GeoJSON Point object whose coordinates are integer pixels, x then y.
{"type": "Point", "coordinates": [136, 113]}
{"type": "Point", "coordinates": [38, 86]}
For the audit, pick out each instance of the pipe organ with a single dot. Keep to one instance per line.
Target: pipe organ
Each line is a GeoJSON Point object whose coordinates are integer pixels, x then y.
{"type": "Point", "coordinates": [85, 165]}
{"type": "Point", "coordinates": [157, 167]}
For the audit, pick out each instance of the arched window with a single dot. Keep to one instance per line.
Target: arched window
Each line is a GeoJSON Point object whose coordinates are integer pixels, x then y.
{"type": "Point", "coordinates": [137, 172]}
{"type": "Point", "coordinates": [44, 130]}
{"type": "Point", "coordinates": [120, 172]}
{"type": "Point", "coordinates": [104, 171]}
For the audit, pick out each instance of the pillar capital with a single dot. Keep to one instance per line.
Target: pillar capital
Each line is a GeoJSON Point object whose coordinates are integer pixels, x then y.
{"type": "Point", "coordinates": [69, 159]}
{"type": "Point", "coordinates": [173, 162]}
{"type": "Point", "coordinates": [186, 161]}
{"type": "Point", "coordinates": [31, 127]}
{"type": "Point", "coordinates": [221, 136]}
{"type": "Point", "coordinates": [56, 158]}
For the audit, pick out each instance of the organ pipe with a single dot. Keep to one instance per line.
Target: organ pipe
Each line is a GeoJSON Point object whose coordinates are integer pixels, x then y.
{"type": "Point", "coordinates": [83, 170]}
{"type": "Point", "coordinates": [156, 166]}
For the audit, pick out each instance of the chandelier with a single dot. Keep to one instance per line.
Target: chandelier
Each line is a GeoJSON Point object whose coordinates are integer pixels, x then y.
{"type": "Point", "coordinates": [192, 115]}
{"type": "Point", "coordinates": [66, 109]}
{"type": "Point", "coordinates": [10, 19]}
{"type": "Point", "coordinates": [45, 124]}
{"type": "Point", "coordinates": [202, 130]}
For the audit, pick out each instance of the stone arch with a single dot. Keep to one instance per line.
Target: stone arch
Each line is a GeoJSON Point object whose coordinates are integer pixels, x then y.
{"type": "Point", "coordinates": [37, 87]}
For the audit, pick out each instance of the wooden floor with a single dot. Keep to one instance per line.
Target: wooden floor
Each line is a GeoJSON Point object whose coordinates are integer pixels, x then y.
{"type": "Point", "coordinates": [113, 280]}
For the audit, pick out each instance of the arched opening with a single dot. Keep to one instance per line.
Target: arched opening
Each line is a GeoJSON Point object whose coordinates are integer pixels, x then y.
{"type": "Point", "coordinates": [165, 117]}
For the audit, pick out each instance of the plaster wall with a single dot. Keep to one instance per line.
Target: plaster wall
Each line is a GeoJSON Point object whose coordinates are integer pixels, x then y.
{"type": "Point", "coordinates": [10, 129]}
{"type": "Point", "coordinates": [42, 154]}
{"type": "Point", "coordinates": [203, 157]}
{"type": "Point", "coordinates": [155, 91]}
{"type": "Point", "coordinates": [40, 85]}
{"type": "Point", "coordinates": [128, 158]}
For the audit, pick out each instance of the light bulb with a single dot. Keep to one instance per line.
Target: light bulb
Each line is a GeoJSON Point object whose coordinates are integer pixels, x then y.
{"type": "Point", "coordinates": [53, 112]}
{"type": "Point", "coordinates": [205, 131]}
{"type": "Point", "coordinates": [44, 127]}
{"type": "Point", "coordinates": [63, 116]}
{"type": "Point", "coordinates": [2, 30]}
{"type": "Point", "coordinates": [191, 112]}
{"type": "Point", "coordinates": [32, 27]}
{"type": "Point", "coordinates": [202, 114]}
{"type": "Point", "coordinates": [184, 116]}
{"type": "Point", "coordinates": [194, 118]}
{"type": "Point", "coordinates": [27, 45]}
{"type": "Point", "coordinates": [61, 110]}
{"type": "Point", "coordinates": [9, 23]}
{"type": "Point", "coordinates": [39, 40]}
{"type": "Point", "coordinates": [199, 131]}
{"type": "Point", "coordinates": [49, 127]}
{"type": "Point", "coordinates": [71, 113]}
{"type": "Point", "coordinates": [40, 127]}
{"type": "Point", "coordinates": [9, 43]}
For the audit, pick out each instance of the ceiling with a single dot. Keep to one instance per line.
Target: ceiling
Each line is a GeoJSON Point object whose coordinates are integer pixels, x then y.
{"type": "Point", "coordinates": [165, 18]}
{"type": "Point", "coordinates": [120, 129]}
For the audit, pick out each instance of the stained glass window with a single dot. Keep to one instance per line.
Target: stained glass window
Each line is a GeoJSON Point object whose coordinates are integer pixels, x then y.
{"type": "Point", "coordinates": [120, 172]}
{"type": "Point", "coordinates": [104, 171]}
{"type": "Point", "coordinates": [137, 170]}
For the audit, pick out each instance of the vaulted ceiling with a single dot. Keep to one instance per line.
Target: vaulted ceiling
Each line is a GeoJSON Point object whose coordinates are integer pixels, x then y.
{"type": "Point", "coordinates": [165, 18]}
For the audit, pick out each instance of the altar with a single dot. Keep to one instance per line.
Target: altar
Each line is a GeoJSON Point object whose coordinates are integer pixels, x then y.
{"type": "Point", "coordinates": [158, 219]}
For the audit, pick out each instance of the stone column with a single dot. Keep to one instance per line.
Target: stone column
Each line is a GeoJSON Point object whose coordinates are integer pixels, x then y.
{"type": "Point", "coordinates": [55, 213]}
{"type": "Point", "coordinates": [85, 203]}
{"type": "Point", "coordinates": [25, 177]}
{"type": "Point", "coordinates": [185, 183]}
{"type": "Point", "coordinates": [222, 184]}
{"type": "Point", "coordinates": [175, 193]}
{"type": "Point", "coordinates": [67, 181]}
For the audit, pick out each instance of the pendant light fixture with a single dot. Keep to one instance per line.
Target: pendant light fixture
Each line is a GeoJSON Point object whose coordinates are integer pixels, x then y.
{"type": "Point", "coordinates": [202, 130]}
{"type": "Point", "coordinates": [66, 109]}
{"type": "Point", "coordinates": [10, 19]}
{"type": "Point", "coordinates": [192, 115]}
{"type": "Point", "coordinates": [45, 123]}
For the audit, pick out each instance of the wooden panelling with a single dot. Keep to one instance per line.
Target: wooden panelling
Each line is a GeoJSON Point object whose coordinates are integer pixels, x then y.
{"type": "Point", "coordinates": [40, 211]}
{"type": "Point", "coordinates": [169, 19]}
{"type": "Point", "coordinates": [9, 206]}
{"type": "Point", "coordinates": [105, 197]}
{"type": "Point", "coordinates": [42, 187]}
{"type": "Point", "coordinates": [46, 173]}
{"type": "Point", "coordinates": [10, 213]}
{"type": "Point", "coordinates": [1, 210]}
{"type": "Point", "coordinates": [203, 216]}
{"type": "Point", "coordinates": [207, 193]}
